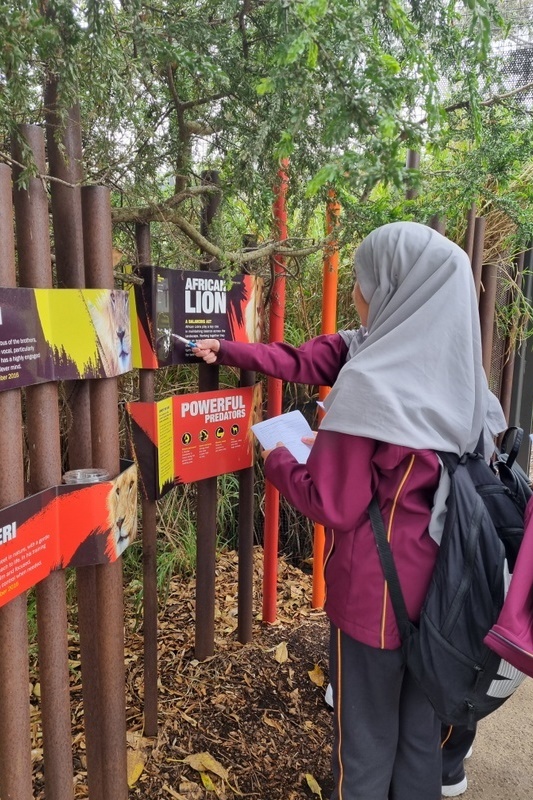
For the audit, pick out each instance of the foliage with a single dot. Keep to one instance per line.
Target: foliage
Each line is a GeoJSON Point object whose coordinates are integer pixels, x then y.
{"type": "Point", "coordinates": [337, 87]}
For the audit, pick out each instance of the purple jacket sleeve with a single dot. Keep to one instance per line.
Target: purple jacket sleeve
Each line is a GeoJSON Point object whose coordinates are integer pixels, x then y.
{"type": "Point", "coordinates": [335, 486]}
{"type": "Point", "coordinates": [317, 361]}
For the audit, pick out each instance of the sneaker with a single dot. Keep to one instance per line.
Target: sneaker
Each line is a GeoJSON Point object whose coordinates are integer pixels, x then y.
{"type": "Point", "coordinates": [455, 789]}
{"type": "Point", "coordinates": [469, 752]}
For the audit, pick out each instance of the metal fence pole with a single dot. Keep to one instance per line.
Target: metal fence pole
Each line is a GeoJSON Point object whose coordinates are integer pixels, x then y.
{"type": "Point", "coordinates": [509, 355]}
{"type": "Point", "coordinates": [522, 399]}
{"type": "Point", "coordinates": [109, 633]}
{"type": "Point", "coordinates": [42, 431]}
{"type": "Point", "coordinates": [206, 508]}
{"type": "Point", "coordinates": [487, 307]}
{"type": "Point", "coordinates": [65, 156]}
{"type": "Point", "coordinates": [469, 234]}
{"type": "Point", "coordinates": [15, 742]}
{"type": "Point", "coordinates": [412, 162]}
{"type": "Point", "coordinates": [149, 534]}
{"type": "Point", "coordinates": [477, 252]}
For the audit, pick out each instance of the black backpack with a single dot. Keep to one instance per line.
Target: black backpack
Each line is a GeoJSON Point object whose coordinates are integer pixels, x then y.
{"type": "Point", "coordinates": [483, 529]}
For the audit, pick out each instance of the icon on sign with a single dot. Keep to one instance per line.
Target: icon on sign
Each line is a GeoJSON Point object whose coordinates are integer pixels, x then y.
{"type": "Point", "coordinates": [219, 433]}
{"type": "Point", "coordinates": [204, 435]}
{"type": "Point", "coordinates": [186, 438]}
{"type": "Point", "coordinates": [235, 430]}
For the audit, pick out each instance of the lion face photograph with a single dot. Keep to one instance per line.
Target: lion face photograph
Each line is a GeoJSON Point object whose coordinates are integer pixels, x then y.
{"type": "Point", "coordinates": [122, 512]}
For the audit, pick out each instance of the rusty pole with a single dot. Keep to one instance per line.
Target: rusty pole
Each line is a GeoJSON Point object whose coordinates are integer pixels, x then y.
{"type": "Point", "coordinates": [245, 582]}
{"type": "Point", "coordinates": [487, 308]}
{"type": "Point", "coordinates": [149, 534]}
{"type": "Point", "coordinates": [109, 633]}
{"type": "Point", "coordinates": [413, 162]}
{"type": "Point", "coordinates": [206, 504]}
{"type": "Point", "coordinates": [506, 391]}
{"type": "Point", "coordinates": [42, 430]}
{"type": "Point", "coordinates": [469, 234]}
{"type": "Point", "coordinates": [438, 224]}
{"type": "Point", "coordinates": [65, 157]}
{"type": "Point", "coordinates": [477, 252]}
{"type": "Point", "coordinates": [15, 742]}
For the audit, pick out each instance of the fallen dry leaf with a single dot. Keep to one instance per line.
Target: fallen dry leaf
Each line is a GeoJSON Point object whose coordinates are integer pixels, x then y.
{"type": "Point", "coordinates": [313, 785]}
{"type": "Point", "coordinates": [135, 761]}
{"type": "Point", "coordinates": [317, 675]}
{"type": "Point", "coordinates": [281, 653]}
{"type": "Point", "coordinates": [203, 762]}
{"type": "Point", "coordinates": [207, 782]}
{"type": "Point", "coordinates": [273, 723]}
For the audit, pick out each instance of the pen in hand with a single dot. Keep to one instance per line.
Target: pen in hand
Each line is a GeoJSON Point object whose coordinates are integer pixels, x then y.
{"type": "Point", "coordinates": [183, 339]}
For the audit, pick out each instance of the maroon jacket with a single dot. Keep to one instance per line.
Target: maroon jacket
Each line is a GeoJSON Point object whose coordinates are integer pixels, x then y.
{"type": "Point", "coordinates": [334, 488]}
{"type": "Point", "coordinates": [512, 635]}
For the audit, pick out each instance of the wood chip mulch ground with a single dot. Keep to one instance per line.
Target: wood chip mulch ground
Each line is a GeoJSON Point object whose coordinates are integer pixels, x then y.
{"type": "Point", "coordinates": [248, 722]}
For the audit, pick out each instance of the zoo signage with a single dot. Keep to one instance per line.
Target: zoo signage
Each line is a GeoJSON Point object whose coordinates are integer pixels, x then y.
{"type": "Point", "coordinates": [66, 526]}
{"type": "Point", "coordinates": [63, 334]}
{"type": "Point", "coordinates": [190, 437]}
{"type": "Point", "coordinates": [193, 305]}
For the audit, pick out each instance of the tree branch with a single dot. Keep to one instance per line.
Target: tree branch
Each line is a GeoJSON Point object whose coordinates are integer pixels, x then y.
{"type": "Point", "coordinates": [203, 100]}
{"type": "Point", "coordinates": [240, 257]}
{"type": "Point", "coordinates": [499, 98]}
{"type": "Point", "coordinates": [167, 214]}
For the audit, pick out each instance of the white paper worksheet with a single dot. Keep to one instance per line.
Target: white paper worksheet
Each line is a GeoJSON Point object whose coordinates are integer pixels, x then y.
{"type": "Point", "coordinates": [287, 428]}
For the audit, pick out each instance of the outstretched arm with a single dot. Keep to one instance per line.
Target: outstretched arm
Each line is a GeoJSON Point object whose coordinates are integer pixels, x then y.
{"type": "Point", "coordinates": [317, 361]}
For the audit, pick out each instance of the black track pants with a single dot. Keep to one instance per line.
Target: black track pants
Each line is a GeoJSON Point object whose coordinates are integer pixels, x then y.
{"type": "Point", "coordinates": [387, 738]}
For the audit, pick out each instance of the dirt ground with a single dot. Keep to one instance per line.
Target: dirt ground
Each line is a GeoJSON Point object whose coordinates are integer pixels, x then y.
{"type": "Point", "coordinates": [251, 722]}
{"type": "Point", "coordinates": [256, 712]}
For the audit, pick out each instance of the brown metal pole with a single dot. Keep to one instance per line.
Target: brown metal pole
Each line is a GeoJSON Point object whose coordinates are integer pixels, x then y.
{"type": "Point", "coordinates": [65, 158]}
{"type": "Point", "coordinates": [149, 533]}
{"type": "Point", "coordinates": [206, 509]}
{"type": "Point", "coordinates": [245, 584]}
{"type": "Point", "coordinates": [109, 633]}
{"type": "Point", "coordinates": [64, 146]}
{"type": "Point", "coordinates": [15, 742]}
{"type": "Point", "coordinates": [42, 430]}
{"type": "Point", "coordinates": [413, 162]}
{"type": "Point", "coordinates": [477, 252]}
{"type": "Point", "coordinates": [469, 235]}
{"type": "Point", "coordinates": [506, 391]}
{"type": "Point", "coordinates": [438, 224]}
{"type": "Point", "coordinates": [487, 310]}
{"type": "Point", "coordinates": [245, 596]}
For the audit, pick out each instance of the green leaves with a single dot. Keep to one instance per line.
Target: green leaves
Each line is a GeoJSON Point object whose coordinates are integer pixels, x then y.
{"type": "Point", "coordinates": [171, 87]}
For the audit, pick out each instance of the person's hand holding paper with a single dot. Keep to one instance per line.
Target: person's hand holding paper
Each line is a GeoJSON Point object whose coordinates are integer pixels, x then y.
{"type": "Point", "coordinates": [286, 430]}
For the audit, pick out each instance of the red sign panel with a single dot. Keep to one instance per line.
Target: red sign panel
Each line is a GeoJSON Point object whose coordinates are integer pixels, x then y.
{"type": "Point", "coordinates": [190, 437]}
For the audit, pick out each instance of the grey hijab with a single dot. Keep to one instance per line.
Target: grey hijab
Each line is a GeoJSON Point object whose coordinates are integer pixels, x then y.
{"type": "Point", "coordinates": [414, 375]}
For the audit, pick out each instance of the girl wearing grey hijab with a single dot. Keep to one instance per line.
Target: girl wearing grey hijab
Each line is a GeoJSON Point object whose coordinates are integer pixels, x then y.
{"type": "Point", "coordinates": [408, 382]}
{"type": "Point", "coordinates": [414, 373]}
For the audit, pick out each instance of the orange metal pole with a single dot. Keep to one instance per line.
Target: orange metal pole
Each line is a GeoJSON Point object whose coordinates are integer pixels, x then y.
{"type": "Point", "coordinates": [274, 404]}
{"type": "Point", "coordinates": [329, 325]}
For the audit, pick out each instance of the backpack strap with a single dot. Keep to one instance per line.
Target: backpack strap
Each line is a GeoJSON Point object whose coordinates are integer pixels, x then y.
{"type": "Point", "coordinates": [389, 569]}
{"type": "Point", "coordinates": [512, 453]}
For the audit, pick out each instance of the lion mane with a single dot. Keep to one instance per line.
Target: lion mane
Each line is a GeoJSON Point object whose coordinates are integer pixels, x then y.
{"type": "Point", "coordinates": [122, 513]}
{"type": "Point", "coordinates": [110, 315]}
